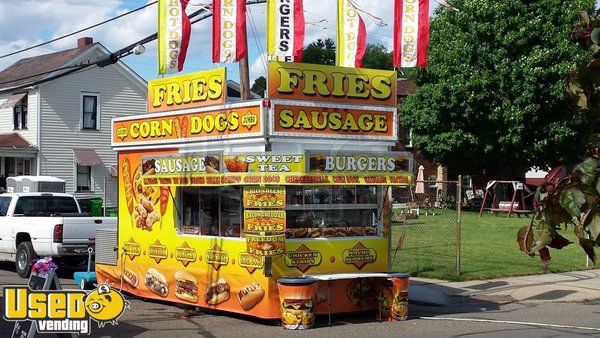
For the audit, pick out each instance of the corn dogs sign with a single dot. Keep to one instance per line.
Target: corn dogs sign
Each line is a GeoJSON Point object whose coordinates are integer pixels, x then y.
{"type": "Point", "coordinates": [228, 121]}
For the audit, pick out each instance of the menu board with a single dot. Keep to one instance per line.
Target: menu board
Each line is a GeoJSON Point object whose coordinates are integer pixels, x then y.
{"type": "Point", "coordinates": [264, 220]}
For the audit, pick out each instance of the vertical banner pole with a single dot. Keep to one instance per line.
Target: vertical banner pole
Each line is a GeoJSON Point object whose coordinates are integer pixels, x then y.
{"type": "Point", "coordinates": [458, 222]}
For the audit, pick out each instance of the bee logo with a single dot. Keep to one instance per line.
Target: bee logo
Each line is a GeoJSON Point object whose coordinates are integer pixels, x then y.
{"type": "Point", "coordinates": [105, 305]}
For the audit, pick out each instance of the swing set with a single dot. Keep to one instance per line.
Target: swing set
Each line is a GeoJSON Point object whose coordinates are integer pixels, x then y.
{"type": "Point", "coordinates": [498, 192]}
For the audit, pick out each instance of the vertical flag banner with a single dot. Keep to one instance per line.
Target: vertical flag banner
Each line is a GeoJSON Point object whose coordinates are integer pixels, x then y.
{"type": "Point", "coordinates": [411, 33]}
{"type": "Point", "coordinates": [351, 36]}
{"type": "Point", "coordinates": [285, 30]}
{"type": "Point", "coordinates": [173, 35]}
{"type": "Point", "coordinates": [229, 30]}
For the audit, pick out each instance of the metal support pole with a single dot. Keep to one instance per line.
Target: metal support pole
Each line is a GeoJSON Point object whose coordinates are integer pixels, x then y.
{"type": "Point", "coordinates": [104, 199]}
{"type": "Point", "coordinates": [458, 222]}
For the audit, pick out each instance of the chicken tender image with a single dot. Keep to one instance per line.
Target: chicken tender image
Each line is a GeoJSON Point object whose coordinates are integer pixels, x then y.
{"type": "Point", "coordinates": [141, 211]}
{"type": "Point", "coordinates": [153, 217]}
{"type": "Point", "coordinates": [147, 204]}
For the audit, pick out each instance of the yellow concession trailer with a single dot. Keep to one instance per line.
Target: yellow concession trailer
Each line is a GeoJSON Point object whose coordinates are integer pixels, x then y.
{"type": "Point", "coordinates": [218, 201]}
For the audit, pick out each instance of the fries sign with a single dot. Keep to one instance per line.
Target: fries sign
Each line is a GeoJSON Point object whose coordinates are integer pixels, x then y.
{"type": "Point", "coordinates": [264, 197]}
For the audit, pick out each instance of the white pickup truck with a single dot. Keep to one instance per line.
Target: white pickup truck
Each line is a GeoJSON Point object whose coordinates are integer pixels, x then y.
{"type": "Point", "coordinates": [45, 224]}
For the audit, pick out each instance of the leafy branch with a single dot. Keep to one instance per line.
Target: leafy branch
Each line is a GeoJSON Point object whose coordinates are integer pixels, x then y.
{"type": "Point", "coordinates": [572, 199]}
{"type": "Point", "coordinates": [566, 200]}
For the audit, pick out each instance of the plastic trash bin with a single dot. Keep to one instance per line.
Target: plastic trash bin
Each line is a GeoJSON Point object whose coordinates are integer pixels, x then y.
{"type": "Point", "coordinates": [297, 296]}
{"type": "Point", "coordinates": [96, 207]}
{"type": "Point", "coordinates": [394, 297]}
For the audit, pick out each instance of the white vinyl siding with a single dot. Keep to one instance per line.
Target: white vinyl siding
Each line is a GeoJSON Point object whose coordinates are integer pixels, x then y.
{"type": "Point", "coordinates": [62, 132]}
{"type": "Point", "coordinates": [7, 122]}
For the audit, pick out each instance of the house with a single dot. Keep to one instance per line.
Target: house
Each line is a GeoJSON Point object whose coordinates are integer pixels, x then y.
{"type": "Point", "coordinates": [55, 117]}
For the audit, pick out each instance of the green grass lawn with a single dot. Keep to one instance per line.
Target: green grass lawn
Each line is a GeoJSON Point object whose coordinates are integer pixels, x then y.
{"type": "Point", "coordinates": [489, 248]}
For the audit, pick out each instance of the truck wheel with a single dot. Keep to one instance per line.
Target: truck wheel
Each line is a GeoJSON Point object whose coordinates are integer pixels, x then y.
{"type": "Point", "coordinates": [25, 254]}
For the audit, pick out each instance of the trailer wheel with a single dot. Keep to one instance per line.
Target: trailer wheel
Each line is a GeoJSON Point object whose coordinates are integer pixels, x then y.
{"type": "Point", "coordinates": [25, 254]}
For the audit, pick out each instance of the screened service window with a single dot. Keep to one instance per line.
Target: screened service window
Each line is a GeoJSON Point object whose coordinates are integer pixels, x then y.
{"type": "Point", "coordinates": [338, 211]}
{"type": "Point", "coordinates": [210, 211]}
{"type": "Point", "coordinates": [84, 178]}
{"type": "Point", "coordinates": [90, 112]}
{"type": "Point", "coordinates": [20, 114]}
{"type": "Point", "coordinates": [45, 205]}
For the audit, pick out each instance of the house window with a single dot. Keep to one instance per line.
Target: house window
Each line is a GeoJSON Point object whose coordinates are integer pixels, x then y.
{"type": "Point", "coordinates": [84, 178]}
{"type": "Point", "coordinates": [90, 112]}
{"type": "Point", "coordinates": [20, 114]}
{"type": "Point", "coordinates": [408, 139]}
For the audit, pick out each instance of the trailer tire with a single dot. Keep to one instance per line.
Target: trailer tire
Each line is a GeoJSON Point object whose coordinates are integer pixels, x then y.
{"type": "Point", "coordinates": [23, 259]}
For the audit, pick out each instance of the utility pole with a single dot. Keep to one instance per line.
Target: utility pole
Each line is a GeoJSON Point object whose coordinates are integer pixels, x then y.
{"type": "Point", "coordinates": [244, 78]}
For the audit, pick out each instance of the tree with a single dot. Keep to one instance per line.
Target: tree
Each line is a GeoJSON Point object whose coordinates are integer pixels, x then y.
{"type": "Point", "coordinates": [259, 86]}
{"type": "Point", "coordinates": [377, 57]}
{"type": "Point", "coordinates": [572, 199]}
{"type": "Point", "coordinates": [493, 96]}
{"type": "Point", "coordinates": [321, 52]}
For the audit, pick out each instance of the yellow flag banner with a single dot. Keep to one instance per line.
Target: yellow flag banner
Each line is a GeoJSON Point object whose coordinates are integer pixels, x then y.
{"type": "Point", "coordinates": [285, 30]}
{"type": "Point", "coordinates": [351, 35]}
{"type": "Point", "coordinates": [173, 35]}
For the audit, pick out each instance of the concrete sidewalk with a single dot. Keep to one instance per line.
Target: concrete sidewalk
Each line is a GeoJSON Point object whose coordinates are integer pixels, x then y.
{"type": "Point", "coordinates": [576, 286]}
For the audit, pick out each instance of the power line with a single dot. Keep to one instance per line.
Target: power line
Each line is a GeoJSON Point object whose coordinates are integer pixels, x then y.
{"type": "Point", "coordinates": [42, 73]}
{"type": "Point", "coordinates": [112, 58]}
{"type": "Point", "coordinates": [79, 31]}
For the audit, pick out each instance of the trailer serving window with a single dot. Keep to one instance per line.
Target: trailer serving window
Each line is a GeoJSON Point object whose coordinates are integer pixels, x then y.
{"type": "Point", "coordinates": [210, 211]}
{"type": "Point", "coordinates": [338, 211]}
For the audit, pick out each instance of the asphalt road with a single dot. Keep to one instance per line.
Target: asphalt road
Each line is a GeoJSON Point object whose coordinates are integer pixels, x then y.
{"type": "Point", "coordinates": [465, 317]}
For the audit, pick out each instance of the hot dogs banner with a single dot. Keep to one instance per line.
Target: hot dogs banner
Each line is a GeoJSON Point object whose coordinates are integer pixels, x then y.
{"type": "Point", "coordinates": [160, 259]}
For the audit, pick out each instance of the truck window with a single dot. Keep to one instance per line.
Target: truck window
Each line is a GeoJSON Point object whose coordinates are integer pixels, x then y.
{"type": "Point", "coordinates": [45, 205]}
{"type": "Point", "coordinates": [4, 203]}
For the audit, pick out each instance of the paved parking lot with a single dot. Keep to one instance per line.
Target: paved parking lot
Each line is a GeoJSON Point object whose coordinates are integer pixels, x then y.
{"type": "Point", "coordinates": [463, 317]}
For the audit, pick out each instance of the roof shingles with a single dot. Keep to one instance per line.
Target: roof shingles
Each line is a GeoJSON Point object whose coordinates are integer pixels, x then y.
{"type": "Point", "coordinates": [13, 140]}
{"type": "Point", "coordinates": [36, 68]}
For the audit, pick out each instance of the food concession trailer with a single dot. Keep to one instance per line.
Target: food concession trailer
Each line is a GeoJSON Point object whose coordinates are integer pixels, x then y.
{"type": "Point", "coordinates": [218, 200]}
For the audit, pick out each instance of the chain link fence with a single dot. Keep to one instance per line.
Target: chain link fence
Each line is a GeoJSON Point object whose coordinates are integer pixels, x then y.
{"type": "Point", "coordinates": [426, 227]}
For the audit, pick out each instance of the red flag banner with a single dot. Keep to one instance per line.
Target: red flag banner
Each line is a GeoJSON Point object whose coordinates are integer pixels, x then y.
{"type": "Point", "coordinates": [411, 33]}
{"type": "Point", "coordinates": [229, 30]}
{"type": "Point", "coordinates": [351, 35]}
{"type": "Point", "coordinates": [173, 35]}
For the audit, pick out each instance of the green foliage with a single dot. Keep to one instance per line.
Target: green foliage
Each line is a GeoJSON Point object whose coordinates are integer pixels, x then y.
{"type": "Point", "coordinates": [321, 52]}
{"type": "Point", "coordinates": [377, 57]}
{"type": "Point", "coordinates": [259, 86]}
{"type": "Point", "coordinates": [493, 95]}
{"type": "Point", "coordinates": [566, 200]}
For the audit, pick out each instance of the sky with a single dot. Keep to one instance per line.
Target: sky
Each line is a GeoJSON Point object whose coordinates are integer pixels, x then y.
{"type": "Point", "coordinates": [54, 18]}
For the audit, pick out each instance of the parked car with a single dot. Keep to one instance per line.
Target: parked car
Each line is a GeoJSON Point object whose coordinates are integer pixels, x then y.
{"type": "Point", "coordinates": [45, 224]}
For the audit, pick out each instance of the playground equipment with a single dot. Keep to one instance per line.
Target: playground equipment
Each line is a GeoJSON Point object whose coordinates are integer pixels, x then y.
{"type": "Point", "coordinates": [504, 206]}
